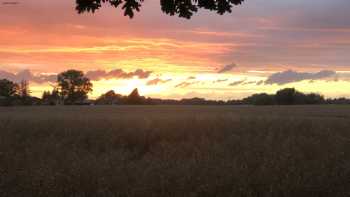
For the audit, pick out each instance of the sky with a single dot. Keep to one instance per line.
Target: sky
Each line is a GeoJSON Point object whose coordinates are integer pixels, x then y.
{"type": "Point", "coordinates": [262, 46]}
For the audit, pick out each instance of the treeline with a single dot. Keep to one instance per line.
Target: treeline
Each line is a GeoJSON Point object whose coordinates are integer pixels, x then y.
{"type": "Point", "coordinates": [288, 96]}
{"type": "Point", "coordinates": [72, 88]}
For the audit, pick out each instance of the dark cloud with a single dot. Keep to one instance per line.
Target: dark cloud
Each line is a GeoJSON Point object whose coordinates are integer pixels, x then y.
{"type": "Point", "coordinates": [291, 76]}
{"type": "Point", "coordinates": [227, 68]}
{"type": "Point", "coordinates": [157, 81]}
{"type": "Point", "coordinates": [28, 76]}
{"type": "Point", "coordinates": [117, 74]}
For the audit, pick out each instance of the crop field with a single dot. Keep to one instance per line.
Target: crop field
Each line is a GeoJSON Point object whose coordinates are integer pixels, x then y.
{"type": "Point", "coordinates": [177, 151]}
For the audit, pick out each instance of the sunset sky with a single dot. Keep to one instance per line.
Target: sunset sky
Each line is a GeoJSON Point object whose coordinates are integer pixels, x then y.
{"type": "Point", "coordinates": [262, 46]}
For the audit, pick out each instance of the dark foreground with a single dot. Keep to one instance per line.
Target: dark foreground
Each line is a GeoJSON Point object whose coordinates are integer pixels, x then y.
{"type": "Point", "coordinates": [175, 151]}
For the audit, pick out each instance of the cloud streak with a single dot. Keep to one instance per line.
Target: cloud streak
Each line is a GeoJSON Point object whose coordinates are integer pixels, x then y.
{"type": "Point", "coordinates": [291, 76]}
{"type": "Point", "coordinates": [237, 82]}
{"type": "Point", "coordinates": [220, 80]}
{"type": "Point", "coordinates": [157, 81]}
{"type": "Point", "coordinates": [28, 76]}
{"type": "Point", "coordinates": [227, 68]}
{"type": "Point", "coordinates": [94, 75]}
{"type": "Point", "coordinates": [185, 84]}
{"type": "Point", "coordinates": [117, 74]}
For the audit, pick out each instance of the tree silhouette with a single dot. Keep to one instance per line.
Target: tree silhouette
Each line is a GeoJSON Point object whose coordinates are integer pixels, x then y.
{"type": "Point", "coordinates": [134, 98]}
{"type": "Point", "coordinates": [24, 91]}
{"type": "Point", "coordinates": [286, 96]}
{"type": "Point", "coordinates": [8, 88]}
{"type": "Point", "coordinates": [24, 94]}
{"type": "Point", "coordinates": [290, 96]}
{"type": "Point", "coordinates": [51, 98]}
{"type": "Point", "coordinates": [182, 8]}
{"type": "Point", "coordinates": [109, 98]}
{"type": "Point", "coordinates": [260, 99]}
{"type": "Point", "coordinates": [73, 86]}
{"type": "Point", "coordinates": [8, 92]}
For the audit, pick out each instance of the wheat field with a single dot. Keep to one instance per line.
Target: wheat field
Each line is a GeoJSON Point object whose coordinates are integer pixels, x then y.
{"type": "Point", "coordinates": [187, 151]}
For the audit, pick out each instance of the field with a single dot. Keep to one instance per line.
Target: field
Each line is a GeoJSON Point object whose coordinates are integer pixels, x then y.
{"type": "Point", "coordinates": [185, 151]}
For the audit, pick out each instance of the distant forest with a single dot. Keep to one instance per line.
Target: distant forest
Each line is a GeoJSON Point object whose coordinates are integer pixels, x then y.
{"type": "Point", "coordinates": [73, 87]}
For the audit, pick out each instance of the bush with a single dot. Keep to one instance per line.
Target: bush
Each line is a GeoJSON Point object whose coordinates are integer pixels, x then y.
{"type": "Point", "coordinates": [260, 99]}
{"type": "Point", "coordinates": [290, 96]}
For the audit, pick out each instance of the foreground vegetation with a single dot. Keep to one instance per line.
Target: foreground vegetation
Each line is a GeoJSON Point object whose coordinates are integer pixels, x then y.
{"type": "Point", "coordinates": [175, 151]}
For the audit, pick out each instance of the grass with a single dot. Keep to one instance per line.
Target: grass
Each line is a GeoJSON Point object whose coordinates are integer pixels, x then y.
{"type": "Point", "coordinates": [175, 151]}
